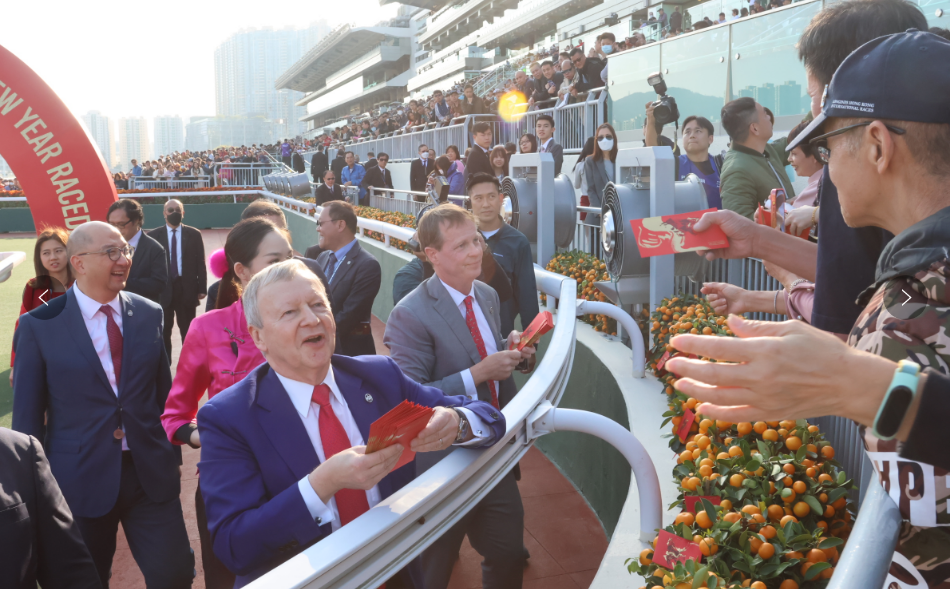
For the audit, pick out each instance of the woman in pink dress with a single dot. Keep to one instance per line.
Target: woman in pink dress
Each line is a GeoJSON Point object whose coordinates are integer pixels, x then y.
{"type": "Point", "coordinates": [218, 352]}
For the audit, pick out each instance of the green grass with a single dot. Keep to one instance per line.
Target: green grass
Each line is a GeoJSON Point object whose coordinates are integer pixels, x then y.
{"type": "Point", "coordinates": [11, 294]}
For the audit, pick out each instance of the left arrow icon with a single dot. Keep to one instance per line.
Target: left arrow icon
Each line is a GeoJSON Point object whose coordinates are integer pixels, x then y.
{"type": "Point", "coordinates": [42, 295]}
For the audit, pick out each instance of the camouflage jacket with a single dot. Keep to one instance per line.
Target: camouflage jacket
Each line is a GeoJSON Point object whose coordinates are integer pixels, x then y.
{"type": "Point", "coordinates": [907, 316]}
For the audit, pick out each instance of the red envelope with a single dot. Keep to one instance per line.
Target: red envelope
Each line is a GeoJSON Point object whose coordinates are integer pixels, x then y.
{"type": "Point", "coordinates": [683, 430]}
{"type": "Point", "coordinates": [662, 361]}
{"type": "Point", "coordinates": [673, 234]}
{"type": "Point", "coordinates": [691, 502]}
{"type": "Point", "coordinates": [400, 425]}
{"type": "Point", "coordinates": [671, 549]}
{"type": "Point", "coordinates": [543, 323]}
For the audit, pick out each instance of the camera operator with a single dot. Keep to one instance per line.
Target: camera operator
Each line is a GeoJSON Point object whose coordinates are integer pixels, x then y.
{"type": "Point", "coordinates": [698, 136]}
{"type": "Point", "coordinates": [656, 120]}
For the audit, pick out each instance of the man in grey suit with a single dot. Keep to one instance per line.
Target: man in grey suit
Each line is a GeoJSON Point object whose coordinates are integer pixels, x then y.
{"type": "Point", "coordinates": [446, 334]}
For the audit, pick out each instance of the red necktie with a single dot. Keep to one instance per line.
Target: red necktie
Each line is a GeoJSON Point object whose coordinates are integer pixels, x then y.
{"type": "Point", "coordinates": [115, 341]}
{"type": "Point", "coordinates": [479, 343]}
{"type": "Point", "coordinates": [350, 503]}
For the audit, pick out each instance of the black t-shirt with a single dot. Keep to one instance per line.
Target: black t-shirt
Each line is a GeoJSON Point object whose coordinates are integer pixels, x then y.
{"type": "Point", "coordinates": [847, 259]}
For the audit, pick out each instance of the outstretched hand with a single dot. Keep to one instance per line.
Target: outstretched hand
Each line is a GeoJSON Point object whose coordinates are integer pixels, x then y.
{"type": "Point", "coordinates": [779, 370]}
{"type": "Point", "coordinates": [742, 234]}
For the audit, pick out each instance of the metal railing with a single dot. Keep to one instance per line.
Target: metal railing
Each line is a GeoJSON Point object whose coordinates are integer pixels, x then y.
{"type": "Point", "coordinates": [151, 182]}
{"type": "Point", "coordinates": [373, 547]}
{"type": "Point", "coordinates": [245, 174]}
{"type": "Point", "coordinates": [387, 199]}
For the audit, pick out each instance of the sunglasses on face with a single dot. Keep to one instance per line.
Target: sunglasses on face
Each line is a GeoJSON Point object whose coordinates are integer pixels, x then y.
{"type": "Point", "coordinates": [820, 143]}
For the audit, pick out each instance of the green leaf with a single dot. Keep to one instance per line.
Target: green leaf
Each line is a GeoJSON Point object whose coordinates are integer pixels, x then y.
{"type": "Point", "coordinates": [842, 477]}
{"type": "Point", "coordinates": [699, 577]}
{"type": "Point", "coordinates": [830, 543]}
{"type": "Point", "coordinates": [800, 537]}
{"type": "Point", "coordinates": [801, 454]}
{"type": "Point", "coordinates": [836, 494]}
{"type": "Point", "coordinates": [746, 451]}
{"type": "Point", "coordinates": [814, 504]}
{"type": "Point", "coordinates": [710, 509]}
{"type": "Point", "coordinates": [666, 421]}
{"type": "Point", "coordinates": [750, 483]}
{"type": "Point", "coordinates": [763, 449]}
{"type": "Point", "coordinates": [815, 570]}
{"type": "Point", "coordinates": [780, 534]}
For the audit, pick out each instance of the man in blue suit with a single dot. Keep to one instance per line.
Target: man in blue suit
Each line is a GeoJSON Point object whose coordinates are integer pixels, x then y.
{"type": "Point", "coordinates": [282, 457]}
{"type": "Point", "coordinates": [90, 381]}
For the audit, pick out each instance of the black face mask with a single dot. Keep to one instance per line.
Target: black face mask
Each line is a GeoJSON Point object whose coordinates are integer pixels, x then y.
{"type": "Point", "coordinates": [174, 219]}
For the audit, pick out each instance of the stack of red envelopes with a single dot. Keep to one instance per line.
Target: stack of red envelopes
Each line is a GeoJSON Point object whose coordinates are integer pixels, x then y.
{"type": "Point", "coordinates": [543, 323]}
{"type": "Point", "coordinates": [400, 425]}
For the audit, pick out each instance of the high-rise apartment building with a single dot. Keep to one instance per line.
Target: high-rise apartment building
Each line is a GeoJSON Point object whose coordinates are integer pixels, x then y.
{"type": "Point", "coordinates": [169, 133]}
{"type": "Point", "coordinates": [246, 66]}
{"type": "Point", "coordinates": [103, 133]}
{"type": "Point", "coordinates": [133, 141]}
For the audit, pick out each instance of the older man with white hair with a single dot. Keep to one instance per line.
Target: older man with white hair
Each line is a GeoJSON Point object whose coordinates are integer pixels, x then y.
{"type": "Point", "coordinates": [283, 462]}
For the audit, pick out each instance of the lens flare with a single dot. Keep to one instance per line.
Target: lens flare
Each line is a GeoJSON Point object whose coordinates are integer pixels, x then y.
{"type": "Point", "coordinates": [512, 105]}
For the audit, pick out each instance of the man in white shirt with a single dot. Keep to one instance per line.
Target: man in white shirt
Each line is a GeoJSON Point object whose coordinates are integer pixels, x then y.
{"type": "Point", "coordinates": [90, 381]}
{"type": "Point", "coordinates": [544, 129]}
{"type": "Point", "coordinates": [283, 462]}
{"type": "Point", "coordinates": [446, 334]}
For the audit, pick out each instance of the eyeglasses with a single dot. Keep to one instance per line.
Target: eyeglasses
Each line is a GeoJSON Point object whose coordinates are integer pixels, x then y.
{"type": "Point", "coordinates": [820, 143]}
{"type": "Point", "coordinates": [119, 225]}
{"type": "Point", "coordinates": [321, 223]}
{"type": "Point", "coordinates": [114, 253]}
{"type": "Point", "coordinates": [605, 137]}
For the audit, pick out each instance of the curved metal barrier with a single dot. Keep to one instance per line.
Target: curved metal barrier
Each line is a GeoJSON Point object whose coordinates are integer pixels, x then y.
{"type": "Point", "coordinates": [372, 548]}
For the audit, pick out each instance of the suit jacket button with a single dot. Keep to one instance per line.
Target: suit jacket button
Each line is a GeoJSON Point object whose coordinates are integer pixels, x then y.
{"type": "Point", "coordinates": [493, 415]}
{"type": "Point", "coordinates": [319, 521]}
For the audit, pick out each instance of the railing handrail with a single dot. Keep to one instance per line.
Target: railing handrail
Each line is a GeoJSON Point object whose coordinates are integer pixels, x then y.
{"type": "Point", "coordinates": [373, 547]}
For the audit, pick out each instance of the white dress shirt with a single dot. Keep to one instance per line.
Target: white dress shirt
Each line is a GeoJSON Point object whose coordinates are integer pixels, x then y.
{"type": "Point", "coordinates": [491, 346]}
{"type": "Point", "coordinates": [545, 146]}
{"type": "Point", "coordinates": [96, 325]}
{"type": "Point", "coordinates": [168, 228]}
{"type": "Point", "coordinates": [301, 394]}
{"type": "Point", "coordinates": [134, 242]}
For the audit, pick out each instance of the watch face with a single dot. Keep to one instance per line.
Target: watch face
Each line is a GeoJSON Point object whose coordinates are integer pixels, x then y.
{"type": "Point", "coordinates": [894, 410]}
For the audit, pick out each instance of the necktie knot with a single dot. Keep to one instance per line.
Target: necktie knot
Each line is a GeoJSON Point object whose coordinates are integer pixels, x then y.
{"type": "Point", "coordinates": [107, 310]}
{"type": "Point", "coordinates": [321, 395]}
{"type": "Point", "coordinates": [468, 303]}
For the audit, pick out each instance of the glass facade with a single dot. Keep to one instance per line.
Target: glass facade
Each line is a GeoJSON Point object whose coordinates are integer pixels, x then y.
{"type": "Point", "coordinates": [765, 63]}
{"type": "Point", "coordinates": [748, 57]}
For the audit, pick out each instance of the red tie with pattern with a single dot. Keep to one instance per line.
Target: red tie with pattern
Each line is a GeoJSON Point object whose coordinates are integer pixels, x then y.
{"type": "Point", "coordinates": [350, 503]}
{"type": "Point", "coordinates": [115, 341]}
{"type": "Point", "coordinates": [479, 343]}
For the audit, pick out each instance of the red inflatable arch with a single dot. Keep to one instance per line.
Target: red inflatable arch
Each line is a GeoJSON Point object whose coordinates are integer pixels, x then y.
{"type": "Point", "coordinates": [65, 180]}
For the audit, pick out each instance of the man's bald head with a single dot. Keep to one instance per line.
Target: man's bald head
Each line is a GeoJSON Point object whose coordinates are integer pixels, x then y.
{"type": "Point", "coordinates": [173, 203]}
{"type": "Point", "coordinates": [89, 237]}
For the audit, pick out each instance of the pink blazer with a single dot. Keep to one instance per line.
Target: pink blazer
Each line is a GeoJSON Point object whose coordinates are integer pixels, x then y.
{"type": "Point", "coordinates": [209, 362]}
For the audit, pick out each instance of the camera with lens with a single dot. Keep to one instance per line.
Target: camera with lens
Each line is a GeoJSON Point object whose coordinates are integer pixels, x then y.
{"type": "Point", "coordinates": [438, 188]}
{"type": "Point", "coordinates": [664, 109]}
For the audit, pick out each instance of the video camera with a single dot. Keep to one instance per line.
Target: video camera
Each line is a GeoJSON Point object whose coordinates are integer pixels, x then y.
{"type": "Point", "coordinates": [664, 109]}
{"type": "Point", "coordinates": [439, 189]}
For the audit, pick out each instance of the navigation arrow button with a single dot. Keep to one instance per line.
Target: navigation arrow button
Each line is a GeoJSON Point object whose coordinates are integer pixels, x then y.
{"type": "Point", "coordinates": [908, 297]}
{"type": "Point", "coordinates": [41, 297]}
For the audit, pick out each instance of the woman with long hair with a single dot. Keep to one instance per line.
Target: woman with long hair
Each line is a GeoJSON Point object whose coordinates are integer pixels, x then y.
{"type": "Point", "coordinates": [599, 167]}
{"type": "Point", "coordinates": [498, 158]}
{"type": "Point", "coordinates": [218, 352]}
{"type": "Point", "coordinates": [580, 177]}
{"type": "Point", "coordinates": [53, 274]}
{"type": "Point", "coordinates": [452, 152]}
{"type": "Point", "coordinates": [528, 143]}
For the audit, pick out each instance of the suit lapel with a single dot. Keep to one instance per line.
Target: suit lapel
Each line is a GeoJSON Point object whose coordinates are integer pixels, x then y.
{"type": "Point", "coordinates": [129, 335]}
{"type": "Point", "coordinates": [344, 265]}
{"type": "Point", "coordinates": [490, 312]}
{"type": "Point", "coordinates": [80, 335]}
{"type": "Point", "coordinates": [283, 426]}
{"type": "Point", "coordinates": [445, 306]}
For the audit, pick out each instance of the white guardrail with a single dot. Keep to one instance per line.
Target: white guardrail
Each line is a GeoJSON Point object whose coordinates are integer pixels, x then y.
{"type": "Point", "coordinates": [372, 548]}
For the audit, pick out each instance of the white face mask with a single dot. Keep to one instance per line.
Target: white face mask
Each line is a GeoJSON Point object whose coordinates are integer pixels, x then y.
{"type": "Point", "coordinates": [424, 155]}
{"type": "Point", "coordinates": [606, 144]}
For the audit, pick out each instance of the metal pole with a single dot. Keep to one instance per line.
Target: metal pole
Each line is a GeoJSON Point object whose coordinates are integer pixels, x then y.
{"type": "Point", "coordinates": [628, 323]}
{"type": "Point", "coordinates": [547, 419]}
{"type": "Point", "coordinates": [546, 248]}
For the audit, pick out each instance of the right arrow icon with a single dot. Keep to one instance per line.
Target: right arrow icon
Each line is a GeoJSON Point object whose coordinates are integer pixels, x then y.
{"type": "Point", "coordinates": [908, 297]}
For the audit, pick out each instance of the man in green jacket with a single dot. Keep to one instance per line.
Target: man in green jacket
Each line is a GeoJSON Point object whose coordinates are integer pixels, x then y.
{"type": "Point", "coordinates": [753, 166]}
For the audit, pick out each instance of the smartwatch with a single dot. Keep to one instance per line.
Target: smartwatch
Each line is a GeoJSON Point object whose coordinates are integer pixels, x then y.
{"type": "Point", "coordinates": [897, 400]}
{"type": "Point", "coordinates": [463, 426]}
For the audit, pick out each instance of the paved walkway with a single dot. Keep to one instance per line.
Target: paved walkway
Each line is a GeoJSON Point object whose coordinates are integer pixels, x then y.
{"type": "Point", "coordinates": [565, 550]}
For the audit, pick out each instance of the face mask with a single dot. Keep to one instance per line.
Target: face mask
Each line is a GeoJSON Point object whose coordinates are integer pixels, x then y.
{"type": "Point", "coordinates": [608, 49]}
{"type": "Point", "coordinates": [174, 219]}
{"type": "Point", "coordinates": [606, 144]}
{"type": "Point", "coordinates": [424, 155]}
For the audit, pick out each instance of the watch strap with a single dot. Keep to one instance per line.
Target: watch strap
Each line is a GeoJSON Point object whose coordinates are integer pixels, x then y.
{"type": "Point", "coordinates": [463, 425]}
{"type": "Point", "coordinates": [906, 376]}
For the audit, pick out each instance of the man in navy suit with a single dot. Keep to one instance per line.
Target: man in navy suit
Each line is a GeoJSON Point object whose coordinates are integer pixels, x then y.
{"type": "Point", "coordinates": [282, 457]}
{"type": "Point", "coordinates": [90, 381]}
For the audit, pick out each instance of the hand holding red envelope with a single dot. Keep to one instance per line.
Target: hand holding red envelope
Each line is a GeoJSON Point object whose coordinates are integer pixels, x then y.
{"type": "Point", "coordinates": [543, 323]}
{"type": "Point", "coordinates": [401, 425]}
{"type": "Point", "coordinates": [674, 234]}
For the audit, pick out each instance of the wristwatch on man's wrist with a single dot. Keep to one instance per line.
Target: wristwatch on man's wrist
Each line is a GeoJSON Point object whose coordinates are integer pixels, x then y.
{"type": "Point", "coordinates": [897, 400]}
{"type": "Point", "coordinates": [463, 426]}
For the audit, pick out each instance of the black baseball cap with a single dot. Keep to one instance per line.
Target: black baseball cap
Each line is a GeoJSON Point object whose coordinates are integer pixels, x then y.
{"type": "Point", "coordinates": [902, 77]}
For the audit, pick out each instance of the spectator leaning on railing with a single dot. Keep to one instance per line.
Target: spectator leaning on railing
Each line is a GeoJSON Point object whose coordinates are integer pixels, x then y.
{"type": "Point", "coordinates": [753, 166]}
{"type": "Point", "coordinates": [588, 71]}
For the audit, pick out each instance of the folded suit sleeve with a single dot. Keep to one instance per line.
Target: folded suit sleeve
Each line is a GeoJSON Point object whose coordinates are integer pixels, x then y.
{"type": "Point", "coordinates": [247, 529]}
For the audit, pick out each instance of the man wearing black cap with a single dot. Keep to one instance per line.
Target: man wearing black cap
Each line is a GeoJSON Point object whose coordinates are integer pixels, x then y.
{"type": "Point", "coordinates": [887, 152]}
